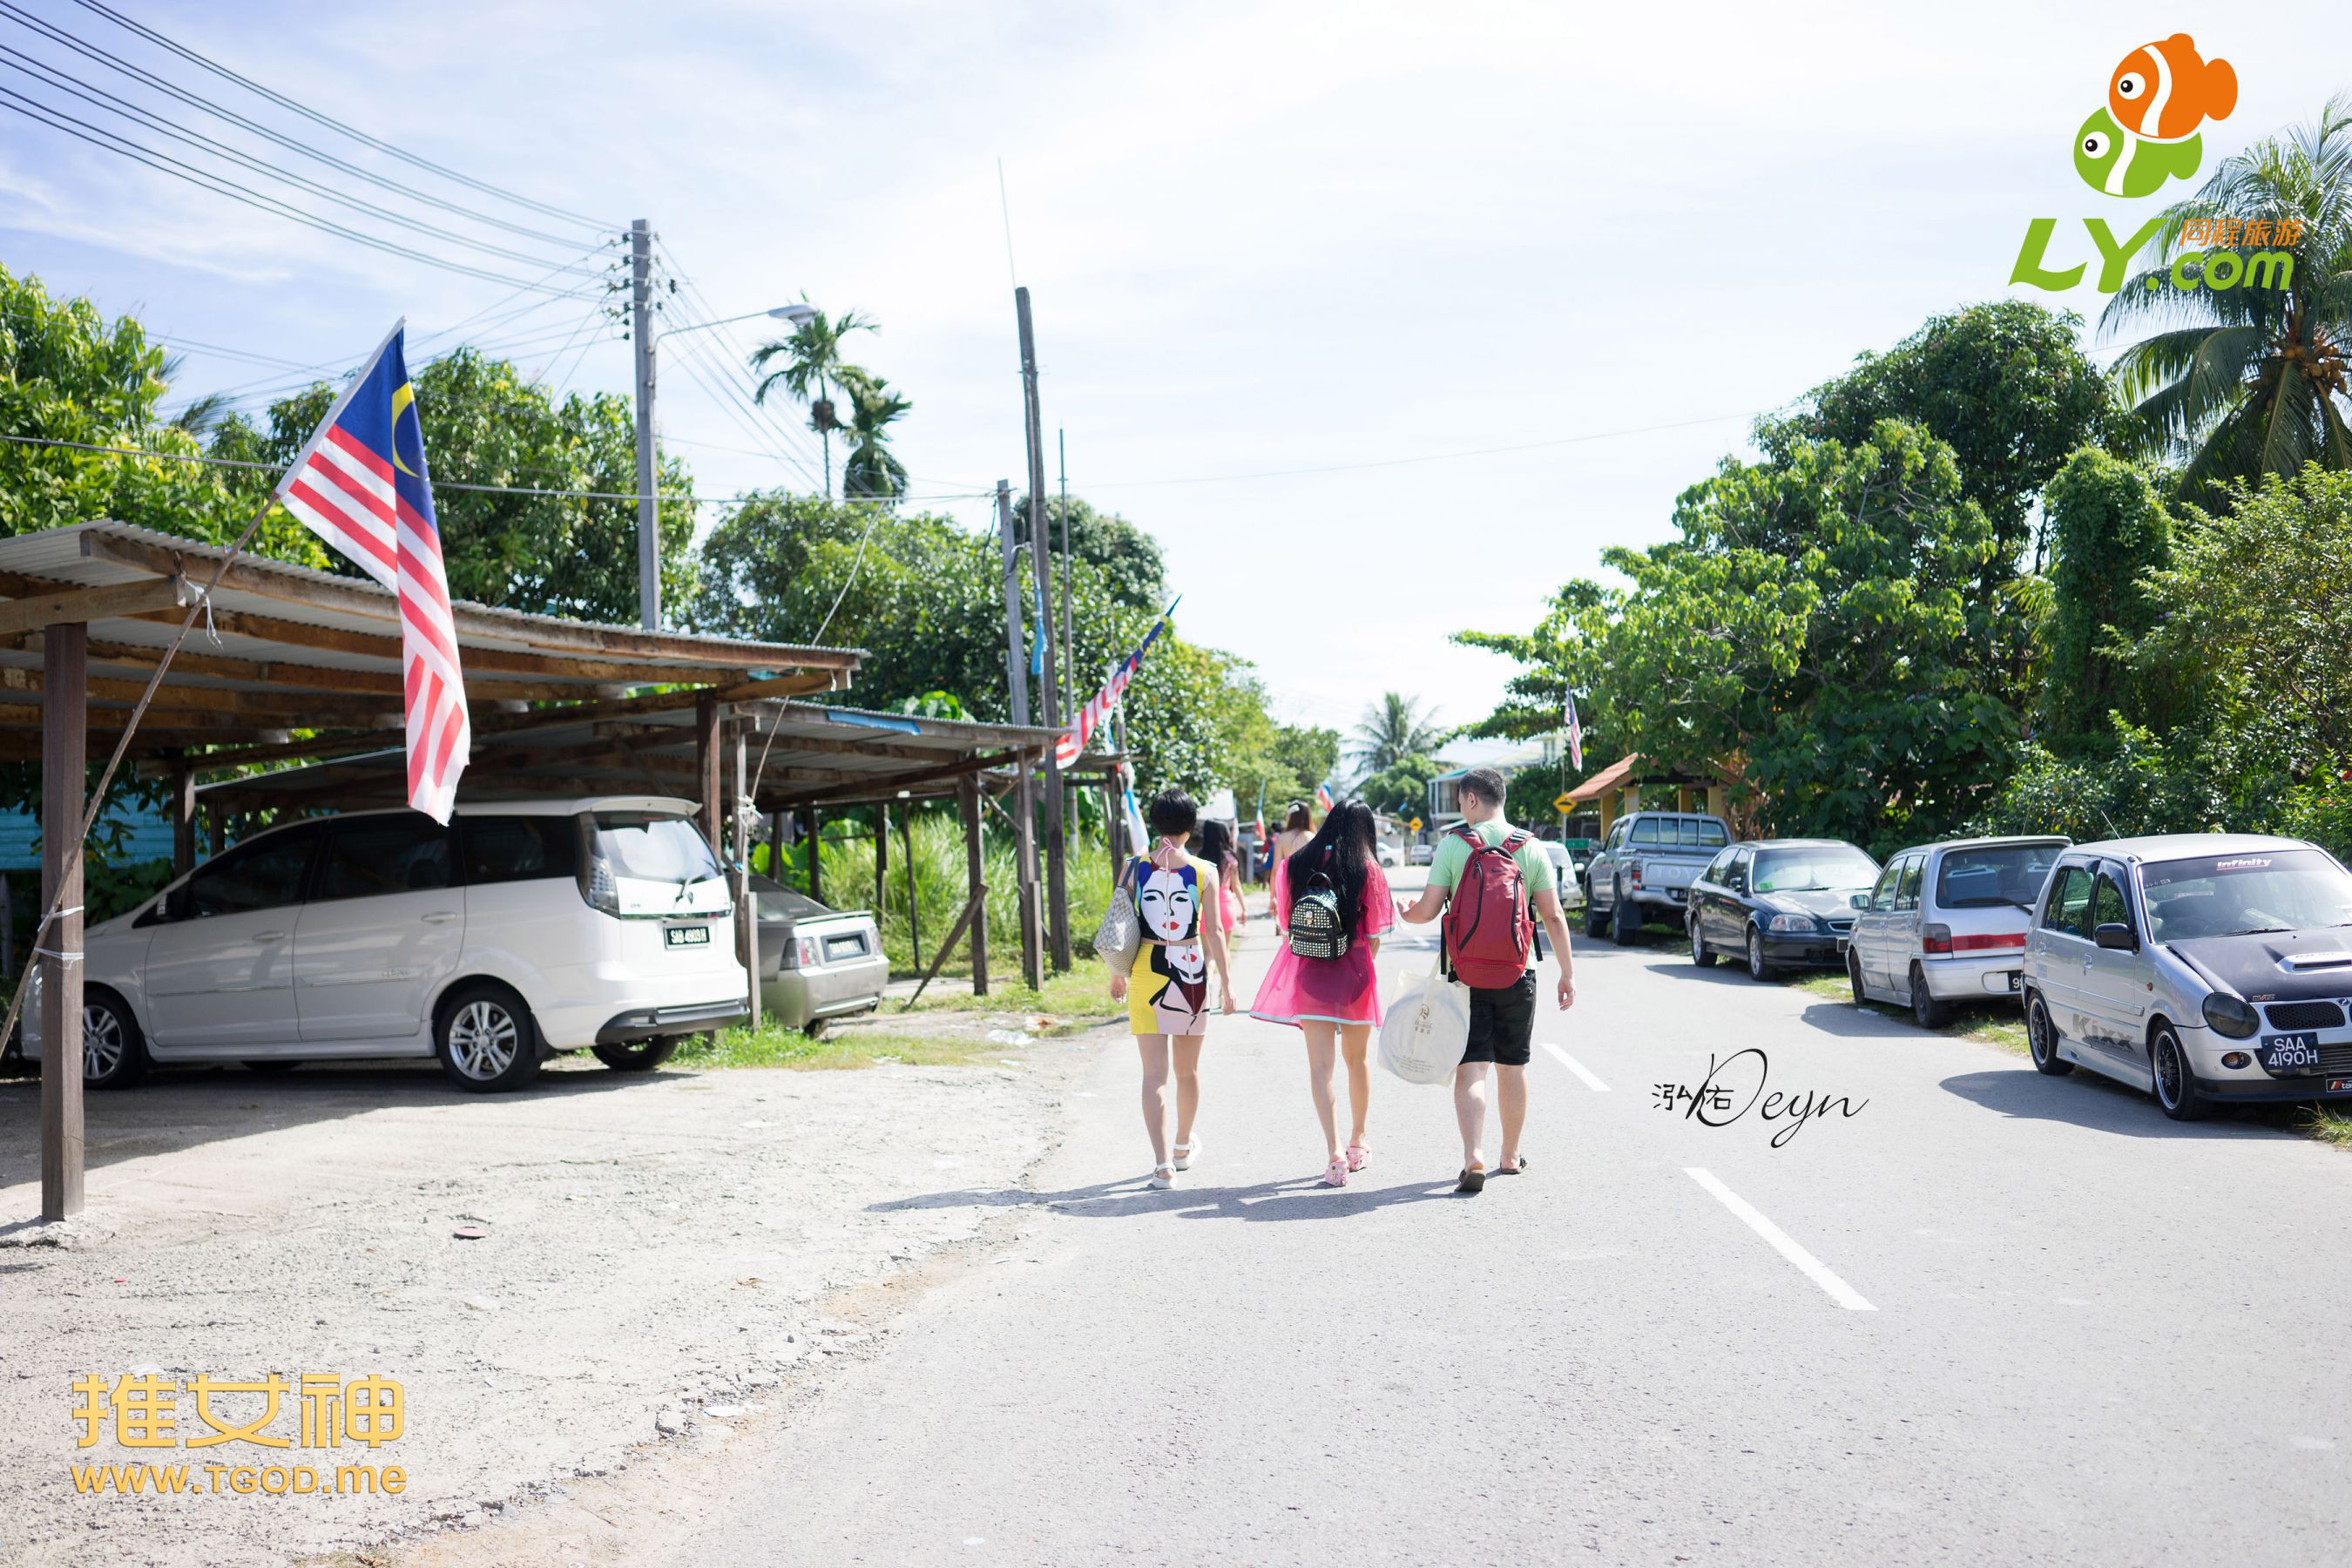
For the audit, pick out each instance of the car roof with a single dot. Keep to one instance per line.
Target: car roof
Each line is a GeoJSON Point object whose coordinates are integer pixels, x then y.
{"type": "Point", "coordinates": [1799, 844]}
{"type": "Point", "coordinates": [1996, 842]}
{"type": "Point", "coordinates": [2184, 845]}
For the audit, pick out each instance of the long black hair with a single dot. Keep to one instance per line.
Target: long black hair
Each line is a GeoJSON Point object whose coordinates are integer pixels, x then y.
{"type": "Point", "coordinates": [1342, 850]}
{"type": "Point", "coordinates": [1217, 844]}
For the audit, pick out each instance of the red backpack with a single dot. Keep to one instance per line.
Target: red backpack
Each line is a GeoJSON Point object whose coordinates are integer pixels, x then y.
{"type": "Point", "coordinates": [1487, 927]}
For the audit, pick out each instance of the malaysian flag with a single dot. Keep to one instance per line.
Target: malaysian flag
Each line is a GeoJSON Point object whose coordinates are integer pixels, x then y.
{"type": "Point", "coordinates": [359, 484]}
{"type": "Point", "coordinates": [1114, 690]}
{"type": "Point", "coordinates": [1575, 734]}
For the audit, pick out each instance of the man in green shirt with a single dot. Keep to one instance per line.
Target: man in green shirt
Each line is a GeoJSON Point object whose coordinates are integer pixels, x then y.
{"type": "Point", "coordinates": [1502, 1019]}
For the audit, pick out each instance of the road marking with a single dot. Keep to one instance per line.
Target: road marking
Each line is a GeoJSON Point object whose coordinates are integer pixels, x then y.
{"type": "Point", "coordinates": [1578, 1068]}
{"type": "Point", "coordinates": [1783, 1243]}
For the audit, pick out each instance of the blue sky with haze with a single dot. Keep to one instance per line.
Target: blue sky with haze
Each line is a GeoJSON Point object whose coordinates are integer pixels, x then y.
{"type": "Point", "coordinates": [1260, 239]}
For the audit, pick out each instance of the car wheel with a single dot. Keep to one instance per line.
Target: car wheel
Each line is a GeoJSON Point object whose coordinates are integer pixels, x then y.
{"type": "Point", "coordinates": [2176, 1089]}
{"type": "Point", "coordinates": [113, 1052]}
{"type": "Point", "coordinates": [1596, 919]}
{"type": "Point", "coordinates": [1699, 954]}
{"type": "Point", "coordinates": [1756, 968]}
{"type": "Point", "coordinates": [1624, 920]}
{"type": "Point", "coordinates": [1926, 1010]}
{"type": "Point", "coordinates": [642, 1057]}
{"type": "Point", "coordinates": [1853, 978]}
{"type": "Point", "coordinates": [485, 1039]}
{"type": "Point", "coordinates": [2041, 1038]}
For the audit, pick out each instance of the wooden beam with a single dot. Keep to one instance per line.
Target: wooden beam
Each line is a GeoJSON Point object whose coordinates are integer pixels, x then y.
{"type": "Point", "coordinates": [294, 676]}
{"type": "Point", "coordinates": [294, 709]}
{"type": "Point", "coordinates": [779, 686]}
{"type": "Point", "coordinates": [885, 786]}
{"type": "Point", "coordinates": [184, 816]}
{"type": "Point", "coordinates": [63, 777]}
{"type": "Point", "coordinates": [975, 883]}
{"type": "Point", "coordinates": [747, 906]}
{"type": "Point", "coordinates": [79, 606]}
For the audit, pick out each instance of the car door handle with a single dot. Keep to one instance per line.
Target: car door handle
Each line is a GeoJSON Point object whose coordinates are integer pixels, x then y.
{"type": "Point", "coordinates": [269, 936]}
{"type": "Point", "coordinates": [439, 917]}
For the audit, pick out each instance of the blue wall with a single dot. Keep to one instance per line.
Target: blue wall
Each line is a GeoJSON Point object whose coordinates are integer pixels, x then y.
{"type": "Point", "coordinates": [20, 833]}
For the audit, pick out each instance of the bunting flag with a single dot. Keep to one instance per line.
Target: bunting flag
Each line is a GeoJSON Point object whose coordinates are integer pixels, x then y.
{"type": "Point", "coordinates": [1099, 706]}
{"type": "Point", "coordinates": [1575, 734]}
{"type": "Point", "coordinates": [359, 484]}
{"type": "Point", "coordinates": [1323, 798]}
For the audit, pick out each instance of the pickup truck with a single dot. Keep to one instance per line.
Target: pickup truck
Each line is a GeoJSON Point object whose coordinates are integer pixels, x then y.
{"type": "Point", "coordinates": [1644, 870]}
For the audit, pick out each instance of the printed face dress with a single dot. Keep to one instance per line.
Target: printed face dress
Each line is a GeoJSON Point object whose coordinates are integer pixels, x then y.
{"type": "Point", "coordinates": [1169, 995]}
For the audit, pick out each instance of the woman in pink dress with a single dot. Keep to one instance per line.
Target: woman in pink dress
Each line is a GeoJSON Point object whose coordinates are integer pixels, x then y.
{"type": "Point", "coordinates": [1217, 849]}
{"type": "Point", "coordinates": [1334, 1001]}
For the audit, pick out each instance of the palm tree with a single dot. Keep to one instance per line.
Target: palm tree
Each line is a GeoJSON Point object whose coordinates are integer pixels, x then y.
{"type": "Point", "coordinates": [871, 470]}
{"type": "Point", "coordinates": [1394, 728]}
{"type": "Point", "coordinates": [813, 365]}
{"type": "Point", "coordinates": [2255, 383]}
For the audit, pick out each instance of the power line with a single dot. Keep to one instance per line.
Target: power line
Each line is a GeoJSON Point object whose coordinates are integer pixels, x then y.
{"type": "Point", "coordinates": [332, 123]}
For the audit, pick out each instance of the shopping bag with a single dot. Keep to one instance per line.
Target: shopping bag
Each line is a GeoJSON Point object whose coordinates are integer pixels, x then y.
{"type": "Point", "coordinates": [1121, 933]}
{"type": "Point", "coordinates": [1427, 1029]}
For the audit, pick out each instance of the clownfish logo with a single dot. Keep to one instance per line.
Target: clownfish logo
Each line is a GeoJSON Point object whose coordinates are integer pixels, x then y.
{"type": "Point", "coordinates": [2158, 99]}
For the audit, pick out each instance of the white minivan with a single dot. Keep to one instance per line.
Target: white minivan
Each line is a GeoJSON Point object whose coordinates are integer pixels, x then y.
{"type": "Point", "coordinates": [1947, 922]}
{"type": "Point", "coordinates": [518, 930]}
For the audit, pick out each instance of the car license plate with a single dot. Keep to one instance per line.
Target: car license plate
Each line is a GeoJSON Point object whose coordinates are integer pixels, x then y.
{"type": "Point", "coordinates": [2013, 977]}
{"type": "Point", "coordinates": [699, 936]}
{"type": "Point", "coordinates": [2290, 1053]}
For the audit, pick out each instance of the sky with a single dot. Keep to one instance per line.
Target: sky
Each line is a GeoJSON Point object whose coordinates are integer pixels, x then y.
{"type": "Point", "coordinates": [1384, 320]}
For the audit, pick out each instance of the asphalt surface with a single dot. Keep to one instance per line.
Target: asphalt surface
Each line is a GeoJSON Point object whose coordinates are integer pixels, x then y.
{"type": "Point", "coordinates": [2015, 1320]}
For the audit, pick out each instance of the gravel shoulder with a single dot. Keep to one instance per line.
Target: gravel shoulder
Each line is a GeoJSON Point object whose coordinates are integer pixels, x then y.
{"type": "Point", "coordinates": [655, 1250]}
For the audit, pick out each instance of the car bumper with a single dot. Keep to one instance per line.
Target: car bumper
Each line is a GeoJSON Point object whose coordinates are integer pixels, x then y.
{"type": "Point", "coordinates": [664, 1023]}
{"type": "Point", "coordinates": [1974, 978]}
{"type": "Point", "coordinates": [2256, 1087]}
{"type": "Point", "coordinates": [1803, 950]}
{"type": "Point", "coordinates": [597, 997]}
{"type": "Point", "coordinates": [798, 997]}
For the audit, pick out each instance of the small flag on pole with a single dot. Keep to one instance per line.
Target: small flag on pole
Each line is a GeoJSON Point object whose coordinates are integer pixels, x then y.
{"type": "Point", "coordinates": [359, 484]}
{"type": "Point", "coordinates": [1575, 734]}
{"type": "Point", "coordinates": [1323, 796]}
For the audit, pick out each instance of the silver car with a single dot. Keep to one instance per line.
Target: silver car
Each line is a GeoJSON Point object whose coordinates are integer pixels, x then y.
{"type": "Point", "coordinates": [2203, 968]}
{"type": "Point", "coordinates": [814, 962]}
{"type": "Point", "coordinates": [1947, 922]}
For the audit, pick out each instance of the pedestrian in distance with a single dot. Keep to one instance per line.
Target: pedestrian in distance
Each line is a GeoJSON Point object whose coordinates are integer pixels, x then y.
{"type": "Point", "coordinates": [1333, 903]}
{"type": "Point", "coordinates": [1176, 897]}
{"type": "Point", "coordinates": [1218, 849]}
{"type": "Point", "coordinates": [1486, 877]}
{"type": "Point", "coordinates": [1297, 828]}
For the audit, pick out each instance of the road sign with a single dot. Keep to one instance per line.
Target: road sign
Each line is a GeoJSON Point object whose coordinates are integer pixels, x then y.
{"type": "Point", "coordinates": [1414, 825]}
{"type": "Point", "coordinates": [1565, 804]}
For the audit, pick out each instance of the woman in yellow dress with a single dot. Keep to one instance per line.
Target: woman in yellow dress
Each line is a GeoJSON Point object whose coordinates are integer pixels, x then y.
{"type": "Point", "coordinates": [1167, 993]}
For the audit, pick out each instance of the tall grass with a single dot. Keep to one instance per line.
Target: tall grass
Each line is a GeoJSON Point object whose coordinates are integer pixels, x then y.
{"type": "Point", "coordinates": [940, 887]}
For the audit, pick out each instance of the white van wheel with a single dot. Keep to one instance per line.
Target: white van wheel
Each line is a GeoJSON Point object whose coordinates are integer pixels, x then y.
{"type": "Point", "coordinates": [485, 1039]}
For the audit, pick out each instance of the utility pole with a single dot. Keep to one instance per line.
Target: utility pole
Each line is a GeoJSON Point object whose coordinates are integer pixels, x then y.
{"type": "Point", "coordinates": [641, 339]}
{"type": "Point", "coordinates": [1057, 888]}
{"type": "Point", "coordinates": [1016, 659]}
{"type": "Point", "coordinates": [1024, 817]}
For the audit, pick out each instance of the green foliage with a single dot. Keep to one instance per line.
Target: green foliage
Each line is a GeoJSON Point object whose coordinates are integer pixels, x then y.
{"type": "Point", "coordinates": [1401, 789]}
{"type": "Point", "coordinates": [1393, 730]}
{"type": "Point", "coordinates": [2003, 384]}
{"type": "Point", "coordinates": [813, 364]}
{"type": "Point", "coordinates": [2107, 531]}
{"type": "Point", "coordinates": [2134, 783]}
{"type": "Point", "coordinates": [1528, 798]}
{"type": "Point", "coordinates": [2246, 380]}
{"type": "Point", "coordinates": [871, 468]}
{"type": "Point", "coordinates": [1128, 557]}
{"type": "Point", "coordinates": [487, 423]}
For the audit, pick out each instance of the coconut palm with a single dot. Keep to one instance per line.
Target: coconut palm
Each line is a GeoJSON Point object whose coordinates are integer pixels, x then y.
{"type": "Point", "coordinates": [813, 366]}
{"type": "Point", "coordinates": [871, 470]}
{"type": "Point", "coordinates": [2253, 379]}
{"type": "Point", "coordinates": [1393, 729]}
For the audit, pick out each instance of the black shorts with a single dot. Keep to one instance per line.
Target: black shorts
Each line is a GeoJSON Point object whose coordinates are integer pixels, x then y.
{"type": "Point", "coordinates": [1503, 1022]}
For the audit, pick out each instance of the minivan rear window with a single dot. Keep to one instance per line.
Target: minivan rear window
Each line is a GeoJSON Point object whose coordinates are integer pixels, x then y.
{"type": "Point", "coordinates": [654, 849]}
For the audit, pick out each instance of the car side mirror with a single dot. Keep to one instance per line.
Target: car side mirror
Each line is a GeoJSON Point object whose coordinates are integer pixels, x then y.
{"type": "Point", "coordinates": [1857, 900]}
{"type": "Point", "coordinates": [2117, 936]}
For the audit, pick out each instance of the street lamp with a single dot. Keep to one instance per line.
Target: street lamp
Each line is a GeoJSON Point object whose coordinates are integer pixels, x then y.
{"type": "Point", "coordinates": [798, 315]}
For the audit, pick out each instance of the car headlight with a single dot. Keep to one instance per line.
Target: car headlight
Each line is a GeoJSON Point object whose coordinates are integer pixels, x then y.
{"type": "Point", "coordinates": [2231, 1016]}
{"type": "Point", "coordinates": [1789, 923]}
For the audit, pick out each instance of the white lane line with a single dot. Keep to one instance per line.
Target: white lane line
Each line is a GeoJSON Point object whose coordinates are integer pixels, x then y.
{"type": "Point", "coordinates": [1578, 1068]}
{"type": "Point", "coordinates": [1783, 1243]}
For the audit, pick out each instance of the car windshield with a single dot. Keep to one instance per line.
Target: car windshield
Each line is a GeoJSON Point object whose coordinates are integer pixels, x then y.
{"type": "Point", "coordinates": [2245, 891]}
{"type": "Point", "coordinates": [654, 848]}
{"type": "Point", "coordinates": [1827, 870]}
{"type": "Point", "coordinates": [1994, 874]}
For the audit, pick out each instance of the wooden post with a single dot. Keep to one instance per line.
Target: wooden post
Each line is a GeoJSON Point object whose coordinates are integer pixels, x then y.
{"type": "Point", "coordinates": [776, 845]}
{"type": "Point", "coordinates": [974, 872]}
{"type": "Point", "coordinates": [881, 861]}
{"type": "Point", "coordinates": [914, 913]}
{"type": "Point", "coordinates": [816, 854]}
{"type": "Point", "coordinates": [65, 722]}
{"type": "Point", "coordinates": [709, 754]}
{"type": "Point", "coordinates": [184, 815]}
{"type": "Point", "coordinates": [746, 905]}
{"type": "Point", "coordinates": [1024, 841]}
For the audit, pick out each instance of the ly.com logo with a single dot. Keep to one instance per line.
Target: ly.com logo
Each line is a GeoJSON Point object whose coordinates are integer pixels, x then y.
{"type": "Point", "coordinates": [2147, 134]}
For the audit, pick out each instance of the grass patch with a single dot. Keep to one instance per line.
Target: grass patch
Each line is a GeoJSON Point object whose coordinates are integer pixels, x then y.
{"type": "Point", "coordinates": [772, 1046]}
{"type": "Point", "coordinates": [1083, 993]}
{"type": "Point", "coordinates": [1995, 1028]}
{"type": "Point", "coordinates": [2327, 1126]}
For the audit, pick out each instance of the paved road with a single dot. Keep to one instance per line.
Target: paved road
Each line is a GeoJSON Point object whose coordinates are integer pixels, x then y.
{"type": "Point", "coordinates": [2018, 1320]}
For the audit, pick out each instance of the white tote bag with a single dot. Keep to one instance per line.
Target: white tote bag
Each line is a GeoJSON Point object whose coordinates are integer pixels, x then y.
{"type": "Point", "coordinates": [1427, 1029]}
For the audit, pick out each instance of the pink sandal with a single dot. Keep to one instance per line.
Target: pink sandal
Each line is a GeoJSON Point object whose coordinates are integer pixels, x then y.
{"type": "Point", "coordinates": [1358, 1156]}
{"type": "Point", "coordinates": [1336, 1173]}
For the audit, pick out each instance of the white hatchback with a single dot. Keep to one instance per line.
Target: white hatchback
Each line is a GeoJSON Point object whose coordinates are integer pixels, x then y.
{"type": "Point", "coordinates": [518, 930]}
{"type": "Point", "coordinates": [1947, 922]}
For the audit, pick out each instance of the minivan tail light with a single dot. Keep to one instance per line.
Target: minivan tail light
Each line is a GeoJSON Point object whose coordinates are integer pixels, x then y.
{"type": "Point", "coordinates": [1935, 939]}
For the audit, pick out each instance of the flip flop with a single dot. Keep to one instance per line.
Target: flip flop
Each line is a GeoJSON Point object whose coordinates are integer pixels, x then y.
{"type": "Point", "coordinates": [1519, 1168]}
{"type": "Point", "coordinates": [1471, 1182]}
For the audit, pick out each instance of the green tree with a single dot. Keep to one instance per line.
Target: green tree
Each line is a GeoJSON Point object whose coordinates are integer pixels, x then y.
{"type": "Point", "coordinates": [812, 367]}
{"type": "Point", "coordinates": [2004, 384]}
{"type": "Point", "coordinates": [1128, 557]}
{"type": "Point", "coordinates": [1393, 729]}
{"type": "Point", "coordinates": [2251, 380]}
{"type": "Point", "coordinates": [1401, 788]}
{"type": "Point", "coordinates": [2108, 530]}
{"type": "Point", "coordinates": [871, 470]}
{"type": "Point", "coordinates": [487, 423]}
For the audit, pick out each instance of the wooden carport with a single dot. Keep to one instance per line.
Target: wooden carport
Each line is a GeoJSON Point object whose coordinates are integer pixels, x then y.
{"type": "Point", "coordinates": [289, 666]}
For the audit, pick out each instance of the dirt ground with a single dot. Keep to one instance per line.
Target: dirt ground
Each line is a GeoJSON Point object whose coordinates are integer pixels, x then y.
{"type": "Point", "coordinates": [659, 1255]}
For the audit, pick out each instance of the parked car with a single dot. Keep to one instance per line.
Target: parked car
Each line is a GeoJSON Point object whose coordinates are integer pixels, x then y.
{"type": "Point", "coordinates": [815, 962]}
{"type": "Point", "coordinates": [1389, 855]}
{"type": "Point", "coordinates": [1947, 922]}
{"type": "Point", "coordinates": [516, 932]}
{"type": "Point", "coordinates": [2204, 968]}
{"type": "Point", "coordinates": [1777, 903]}
{"type": "Point", "coordinates": [1420, 854]}
{"type": "Point", "coordinates": [1567, 876]}
{"type": "Point", "coordinates": [1643, 869]}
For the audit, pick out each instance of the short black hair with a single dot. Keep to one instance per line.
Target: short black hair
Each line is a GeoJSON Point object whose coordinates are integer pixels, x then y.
{"type": "Point", "coordinates": [1171, 814]}
{"type": "Point", "coordinates": [1485, 784]}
